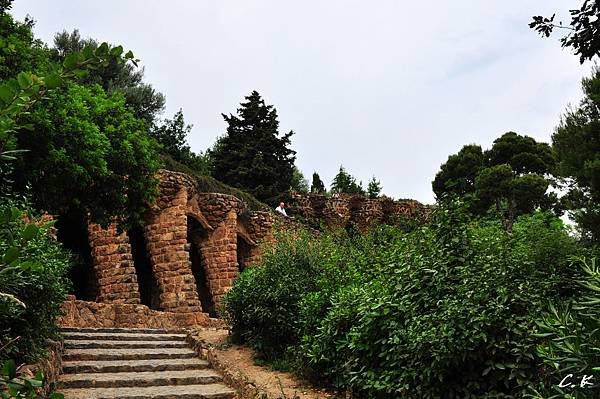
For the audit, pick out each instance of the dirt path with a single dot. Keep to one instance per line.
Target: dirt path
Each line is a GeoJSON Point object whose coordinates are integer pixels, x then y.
{"type": "Point", "coordinates": [237, 363]}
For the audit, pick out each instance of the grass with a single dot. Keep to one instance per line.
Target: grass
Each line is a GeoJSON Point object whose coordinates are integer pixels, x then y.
{"type": "Point", "coordinates": [209, 184]}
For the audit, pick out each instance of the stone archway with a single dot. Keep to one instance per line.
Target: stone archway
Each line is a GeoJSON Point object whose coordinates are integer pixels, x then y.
{"type": "Point", "coordinates": [147, 284]}
{"type": "Point", "coordinates": [198, 238]}
{"type": "Point", "coordinates": [244, 247]}
{"type": "Point", "coordinates": [72, 233]}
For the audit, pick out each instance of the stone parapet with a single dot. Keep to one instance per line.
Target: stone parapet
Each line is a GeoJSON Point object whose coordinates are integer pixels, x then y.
{"type": "Point", "coordinates": [342, 210]}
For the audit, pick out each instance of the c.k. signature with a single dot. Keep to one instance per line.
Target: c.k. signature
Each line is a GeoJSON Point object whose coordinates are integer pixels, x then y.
{"type": "Point", "coordinates": [570, 381]}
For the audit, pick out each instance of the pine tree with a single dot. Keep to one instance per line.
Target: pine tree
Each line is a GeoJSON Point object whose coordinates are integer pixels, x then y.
{"type": "Point", "coordinates": [344, 182]}
{"type": "Point", "coordinates": [317, 185]}
{"type": "Point", "coordinates": [374, 188]}
{"type": "Point", "coordinates": [251, 155]}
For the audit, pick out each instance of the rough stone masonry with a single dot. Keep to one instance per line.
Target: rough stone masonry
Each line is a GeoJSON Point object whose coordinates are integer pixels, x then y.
{"type": "Point", "coordinates": [184, 224]}
{"type": "Point", "coordinates": [175, 272]}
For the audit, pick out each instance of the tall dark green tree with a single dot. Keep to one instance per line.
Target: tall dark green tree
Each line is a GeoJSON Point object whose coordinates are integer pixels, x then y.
{"type": "Point", "coordinates": [345, 183]}
{"type": "Point", "coordinates": [172, 134]}
{"type": "Point", "coordinates": [457, 175]}
{"type": "Point", "coordinates": [512, 177]}
{"type": "Point", "coordinates": [317, 185]}
{"type": "Point", "coordinates": [299, 182]}
{"type": "Point", "coordinates": [374, 188]}
{"type": "Point", "coordinates": [576, 143]}
{"type": "Point", "coordinates": [252, 155]}
{"type": "Point", "coordinates": [146, 102]}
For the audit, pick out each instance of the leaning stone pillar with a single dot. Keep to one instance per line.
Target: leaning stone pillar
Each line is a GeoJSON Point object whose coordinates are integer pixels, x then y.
{"type": "Point", "coordinates": [113, 265]}
{"type": "Point", "coordinates": [166, 238]}
{"type": "Point", "coordinates": [220, 256]}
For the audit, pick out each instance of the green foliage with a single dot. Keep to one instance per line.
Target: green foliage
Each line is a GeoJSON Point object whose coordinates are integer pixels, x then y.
{"type": "Point", "coordinates": [345, 183]}
{"type": "Point", "coordinates": [13, 386]}
{"type": "Point", "coordinates": [20, 93]}
{"type": "Point", "coordinates": [211, 185]}
{"type": "Point", "coordinates": [92, 147]}
{"type": "Point", "coordinates": [511, 176]}
{"type": "Point", "coordinates": [457, 175]}
{"type": "Point", "coordinates": [571, 335]}
{"type": "Point", "coordinates": [299, 182]}
{"type": "Point", "coordinates": [583, 35]}
{"type": "Point", "coordinates": [19, 50]}
{"type": "Point", "coordinates": [114, 76]}
{"type": "Point", "coordinates": [33, 284]}
{"type": "Point", "coordinates": [317, 186]}
{"type": "Point", "coordinates": [172, 134]}
{"type": "Point", "coordinates": [252, 156]}
{"type": "Point", "coordinates": [446, 310]}
{"type": "Point", "coordinates": [263, 305]}
{"type": "Point", "coordinates": [374, 188]}
{"type": "Point", "coordinates": [576, 143]}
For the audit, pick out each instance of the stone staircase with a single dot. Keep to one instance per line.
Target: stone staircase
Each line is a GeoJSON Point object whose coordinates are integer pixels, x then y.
{"type": "Point", "coordinates": [111, 363]}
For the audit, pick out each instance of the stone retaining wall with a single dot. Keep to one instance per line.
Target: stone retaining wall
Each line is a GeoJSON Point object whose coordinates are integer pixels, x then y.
{"type": "Point", "coordinates": [342, 210]}
{"type": "Point", "coordinates": [83, 314]}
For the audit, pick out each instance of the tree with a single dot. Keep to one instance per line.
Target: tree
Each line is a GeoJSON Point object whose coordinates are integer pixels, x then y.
{"type": "Point", "coordinates": [146, 102]}
{"type": "Point", "coordinates": [299, 182]}
{"type": "Point", "coordinates": [317, 185]}
{"type": "Point", "coordinates": [345, 183]}
{"type": "Point", "coordinates": [252, 155]}
{"type": "Point", "coordinates": [87, 154]}
{"type": "Point", "coordinates": [583, 35]}
{"type": "Point", "coordinates": [19, 50]}
{"type": "Point", "coordinates": [576, 143]}
{"type": "Point", "coordinates": [457, 175]}
{"type": "Point", "coordinates": [511, 176]}
{"type": "Point", "coordinates": [374, 188]}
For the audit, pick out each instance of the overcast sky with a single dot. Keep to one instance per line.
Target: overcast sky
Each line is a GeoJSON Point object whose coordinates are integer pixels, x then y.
{"type": "Point", "coordinates": [386, 88]}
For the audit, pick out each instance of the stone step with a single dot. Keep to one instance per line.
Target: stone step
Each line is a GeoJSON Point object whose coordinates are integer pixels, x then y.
{"type": "Point", "coordinates": [128, 354]}
{"type": "Point", "coordinates": [129, 336]}
{"type": "Point", "coordinates": [125, 330]}
{"type": "Point", "coordinates": [81, 344]}
{"type": "Point", "coordinates": [108, 366]}
{"type": "Point", "coordinates": [138, 379]}
{"type": "Point", "coordinates": [207, 391]}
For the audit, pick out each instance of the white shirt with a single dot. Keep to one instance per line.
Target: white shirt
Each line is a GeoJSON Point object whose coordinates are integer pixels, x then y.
{"type": "Point", "coordinates": [281, 210]}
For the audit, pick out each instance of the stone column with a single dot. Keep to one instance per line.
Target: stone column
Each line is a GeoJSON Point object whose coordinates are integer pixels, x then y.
{"type": "Point", "coordinates": [113, 265]}
{"type": "Point", "coordinates": [220, 257]}
{"type": "Point", "coordinates": [166, 237]}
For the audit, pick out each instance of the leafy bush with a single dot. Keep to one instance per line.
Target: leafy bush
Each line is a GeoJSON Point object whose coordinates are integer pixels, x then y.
{"type": "Point", "coordinates": [571, 334]}
{"type": "Point", "coordinates": [446, 310]}
{"type": "Point", "coordinates": [90, 143]}
{"type": "Point", "coordinates": [263, 305]}
{"type": "Point", "coordinates": [33, 284]}
{"type": "Point", "coordinates": [15, 386]}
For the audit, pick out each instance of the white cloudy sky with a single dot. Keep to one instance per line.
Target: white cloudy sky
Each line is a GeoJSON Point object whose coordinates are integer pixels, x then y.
{"type": "Point", "coordinates": [386, 88]}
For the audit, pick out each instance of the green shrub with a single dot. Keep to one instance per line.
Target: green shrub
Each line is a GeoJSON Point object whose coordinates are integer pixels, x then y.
{"type": "Point", "coordinates": [446, 310]}
{"type": "Point", "coordinates": [262, 307]}
{"type": "Point", "coordinates": [571, 340]}
{"type": "Point", "coordinates": [33, 285]}
{"type": "Point", "coordinates": [450, 315]}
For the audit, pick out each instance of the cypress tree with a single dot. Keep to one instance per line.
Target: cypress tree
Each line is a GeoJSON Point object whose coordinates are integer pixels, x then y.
{"type": "Point", "coordinates": [252, 155]}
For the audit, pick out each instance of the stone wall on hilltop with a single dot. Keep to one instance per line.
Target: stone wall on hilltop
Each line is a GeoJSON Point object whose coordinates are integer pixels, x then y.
{"type": "Point", "coordinates": [342, 210]}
